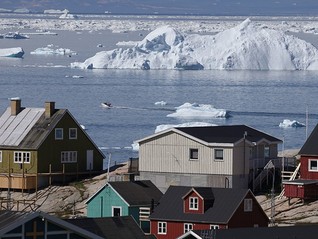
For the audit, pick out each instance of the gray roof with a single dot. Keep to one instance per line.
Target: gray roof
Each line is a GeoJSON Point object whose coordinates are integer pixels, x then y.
{"type": "Point", "coordinates": [111, 227]}
{"type": "Point", "coordinates": [310, 147]}
{"type": "Point", "coordinates": [225, 203]}
{"type": "Point", "coordinates": [28, 129]}
{"type": "Point", "coordinates": [227, 133]}
{"type": "Point", "coordinates": [287, 232]}
{"type": "Point", "coordinates": [137, 193]}
{"type": "Point", "coordinates": [9, 220]}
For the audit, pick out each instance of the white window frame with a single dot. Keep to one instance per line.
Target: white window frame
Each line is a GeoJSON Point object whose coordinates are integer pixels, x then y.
{"type": "Point", "coordinates": [193, 203]}
{"type": "Point", "coordinates": [216, 157]}
{"type": "Point", "coordinates": [162, 228]}
{"type": "Point", "coordinates": [214, 226]}
{"type": "Point", "coordinates": [22, 157]}
{"type": "Point", "coordinates": [120, 210]}
{"type": "Point", "coordinates": [267, 151]}
{"type": "Point", "coordinates": [193, 151]}
{"type": "Point", "coordinates": [311, 169]}
{"type": "Point", "coordinates": [248, 205]}
{"type": "Point", "coordinates": [70, 133]}
{"type": "Point", "coordinates": [0, 156]}
{"type": "Point", "coordinates": [187, 227]}
{"type": "Point", "coordinates": [68, 156]}
{"type": "Point", "coordinates": [57, 137]}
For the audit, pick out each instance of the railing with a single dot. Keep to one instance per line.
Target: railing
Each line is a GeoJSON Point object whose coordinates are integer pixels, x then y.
{"type": "Point", "coordinates": [278, 162]}
{"type": "Point", "coordinates": [292, 177]}
{"type": "Point", "coordinates": [263, 174]}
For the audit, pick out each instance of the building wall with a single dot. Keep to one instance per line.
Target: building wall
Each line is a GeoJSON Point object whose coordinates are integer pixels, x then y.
{"type": "Point", "coordinates": [101, 205]}
{"type": "Point", "coordinates": [164, 180]}
{"type": "Point", "coordinates": [249, 219]}
{"type": "Point", "coordinates": [304, 170]}
{"type": "Point", "coordinates": [170, 153]}
{"type": "Point", "coordinates": [186, 204]}
{"type": "Point", "coordinates": [50, 150]}
{"type": "Point", "coordinates": [176, 229]}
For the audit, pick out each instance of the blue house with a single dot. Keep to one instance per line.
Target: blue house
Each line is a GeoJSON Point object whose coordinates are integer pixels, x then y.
{"type": "Point", "coordinates": [125, 198]}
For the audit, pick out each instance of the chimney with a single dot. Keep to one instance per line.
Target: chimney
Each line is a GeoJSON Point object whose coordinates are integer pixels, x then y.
{"type": "Point", "coordinates": [15, 106]}
{"type": "Point", "coordinates": [49, 109]}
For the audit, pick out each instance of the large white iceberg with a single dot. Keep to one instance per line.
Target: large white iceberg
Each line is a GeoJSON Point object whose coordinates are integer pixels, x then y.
{"type": "Point", "coordinates": [12, 52]}
{"type": "Point", "coordinates": [247, 46]}
{"type": "Point", "coordinates": [163, 127]}
{"type": "Point", "coordinates": [198, 111]}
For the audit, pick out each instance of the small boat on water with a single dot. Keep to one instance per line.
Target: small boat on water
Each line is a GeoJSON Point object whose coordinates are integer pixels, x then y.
{"type": "Point", "coordinates": [106, 104]}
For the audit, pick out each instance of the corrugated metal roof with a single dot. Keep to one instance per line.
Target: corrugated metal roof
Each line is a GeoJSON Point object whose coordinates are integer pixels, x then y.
{"type": "Point", "coordinates": [13, 129]}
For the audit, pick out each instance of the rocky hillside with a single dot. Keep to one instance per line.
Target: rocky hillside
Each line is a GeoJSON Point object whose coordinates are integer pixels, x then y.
{"type": "Point", "coordinates": [69, 201]}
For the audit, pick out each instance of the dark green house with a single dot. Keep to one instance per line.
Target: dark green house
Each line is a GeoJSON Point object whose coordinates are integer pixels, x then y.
{"type": "Point", "coordinates": [126, 198]}
{"type": "Point", "coordinates": [40, 146]}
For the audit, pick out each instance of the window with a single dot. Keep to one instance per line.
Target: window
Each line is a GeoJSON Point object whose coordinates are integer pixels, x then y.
{"type": "Point", "coordinates": [72, 133]}
{"type": "Point", "coordinates": [194, 203]}
{"type": "Point", "coordinates": [212, 226]}
{"type": "Point", "coordinates": [248, 205]}
{"type": "Point", "coordinates": [187, 227]}
{"type": "Point", "coordinates": [0, 156]}
{"type": "Point", "coordinates": [218, 154]}
{"type": "Point", "coordinates": [313, 165]}
{"type": "Point", "coordinates": [68, 156]}
{"type": "Point", "coordinates": [194, 154]}
{"type": "Point", "coordinates": [22, 157]}
{"type": "Point", "coordinates": [162, 228]}
{"type": "Point", "coordinates": [58, 133]}
{"type": "Point", "coordinates": [266, 151]}
{"type": "Point", "coordinates": [116, 211]}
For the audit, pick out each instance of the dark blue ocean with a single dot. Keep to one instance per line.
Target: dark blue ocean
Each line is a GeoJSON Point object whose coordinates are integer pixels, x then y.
{"type": "Point", "coordinates": [260, 99]}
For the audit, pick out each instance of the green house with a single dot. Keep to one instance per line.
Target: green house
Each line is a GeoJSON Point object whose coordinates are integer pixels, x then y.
{"type": "Point", "coordinates": [40, 146]}
{"type": "Point", "coordinates": [125, 198]}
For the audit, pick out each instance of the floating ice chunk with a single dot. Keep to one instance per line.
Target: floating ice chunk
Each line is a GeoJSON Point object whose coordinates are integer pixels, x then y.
{"type": "Point", "coordinates": [291, 124]}
{"type": "Point", "coordinates": [160, 103]}
{"type": "Point", "coordinates": [189, 124]}
{"type": "Point", "coordinates": [12, 52]}
{"type": "Point", "coordinates": [188, 110]}
{"type": "Point", "coordinates": [77, 77]}
{"type": "Point", "coordinates": [53, 50]}
{"type": "Point", "coordinates": [135, 146]}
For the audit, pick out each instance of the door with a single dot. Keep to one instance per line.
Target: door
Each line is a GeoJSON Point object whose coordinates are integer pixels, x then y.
{"type": "Point", "coordinates": [89, 160]}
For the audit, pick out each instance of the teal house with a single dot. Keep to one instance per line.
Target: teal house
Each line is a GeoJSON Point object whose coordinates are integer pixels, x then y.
{"type": "Point", "coordinates": [125, 198]}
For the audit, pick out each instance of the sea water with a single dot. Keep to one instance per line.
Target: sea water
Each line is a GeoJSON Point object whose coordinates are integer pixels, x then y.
{"type": "Point", "coordinates": [260, 99]}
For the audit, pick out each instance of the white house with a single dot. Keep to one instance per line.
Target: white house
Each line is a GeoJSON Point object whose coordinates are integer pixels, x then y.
{"type": "Point", "coordinates": [211, 156]}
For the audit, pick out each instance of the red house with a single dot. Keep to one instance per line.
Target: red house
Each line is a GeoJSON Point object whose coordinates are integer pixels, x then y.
{"type": "Point", "coordinates": [306, 187]}
{"type": "Point", "coordinates": [182, 209]}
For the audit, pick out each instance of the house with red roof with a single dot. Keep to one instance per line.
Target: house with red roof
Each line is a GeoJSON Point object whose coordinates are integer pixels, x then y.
{"type": "Point", "coordinates": [182, 209]}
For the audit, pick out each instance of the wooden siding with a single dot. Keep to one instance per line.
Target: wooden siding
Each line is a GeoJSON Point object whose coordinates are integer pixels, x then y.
{"type": "Point", "coordinates": [186, 204]}
{"type": "Point", "coordinates": [50, 150]}
{"type": "Point", "coordinates": [308, 191]}
{"type": "Point", "coordinates": [239, 152]}
{"type": "Point", "coordinates": [249, 219]}
{"type": "Point", "coordinates": [304, 168]}
{"type": "Point", "coordinates": [176, 229]}
{"type": "Point", "coordinates": [101, 205]}
{"type": "Point", "coordinates": [170, 153]}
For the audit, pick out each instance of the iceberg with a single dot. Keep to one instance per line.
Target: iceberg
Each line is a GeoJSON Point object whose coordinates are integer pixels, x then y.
{"type": "Point", "coordinates": [52, 50]}
{"type": "Point", "coordinates": [247, 46]}
{"type": "Point", "coordinates": [67, 15]}
{"type": "Point", "coordinates": [194, 111]}
{"type": "Point", "coordinates": [12, 52]}
{"type": "Point", "coordinates": [15, 35]}
{"type": "Point", "coordinates": [291, 124]}
{"type": "Point", "coordinates": [188, 124]}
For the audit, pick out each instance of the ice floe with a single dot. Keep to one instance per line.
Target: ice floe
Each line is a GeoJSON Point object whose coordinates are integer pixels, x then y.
{"type": "Point", "coordinates": [291, 124]}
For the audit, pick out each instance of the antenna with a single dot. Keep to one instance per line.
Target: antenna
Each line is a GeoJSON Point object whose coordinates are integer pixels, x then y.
{"type": "Point", "coordinates": [109, 156]}
{"type": "Point", "coordinates": [306, 122]}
